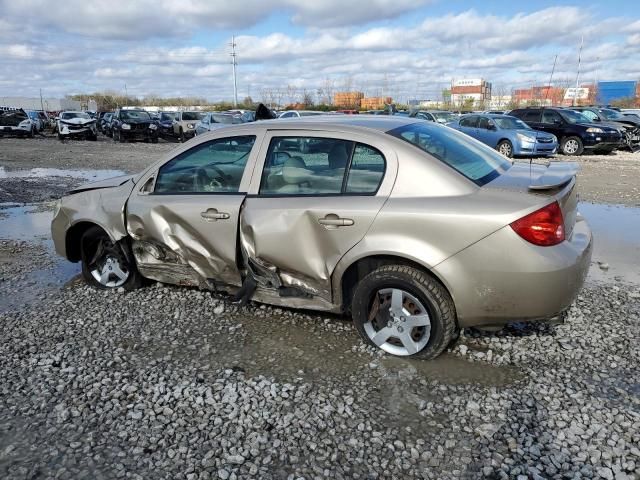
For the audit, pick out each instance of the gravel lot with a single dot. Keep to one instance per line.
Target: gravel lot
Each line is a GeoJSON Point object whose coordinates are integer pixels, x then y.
{"type": "Point", "coordinates": [166, 382]}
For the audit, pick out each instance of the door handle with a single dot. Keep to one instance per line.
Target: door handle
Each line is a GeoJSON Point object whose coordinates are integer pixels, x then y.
{"type": "Point", "coordinates": [212, 214]}
{"type": "Point", "coordinates": [333, 220]}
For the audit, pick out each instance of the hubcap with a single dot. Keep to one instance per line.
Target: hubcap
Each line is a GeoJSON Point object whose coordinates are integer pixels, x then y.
{"type": "Point", "coordinates": [505, 149]}
{"type": "Point", "coordinates": [398, 322]}
{"type": "Point", "coordinates": [109, 273]}
{"type": "Point", "coordinates": [571, 146]}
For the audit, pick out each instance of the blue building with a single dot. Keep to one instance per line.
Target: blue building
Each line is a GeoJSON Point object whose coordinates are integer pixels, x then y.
{"type": "Point", "coordinates": [611, 91]}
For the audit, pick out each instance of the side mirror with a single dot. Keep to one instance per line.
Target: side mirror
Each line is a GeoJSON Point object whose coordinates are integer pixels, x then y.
{"type": "Point", "coordinates": [596, 119]}
{"type": "Point", "coordinates": [493, 127]}
{"type": "Point", "coordinates": [557, 122]}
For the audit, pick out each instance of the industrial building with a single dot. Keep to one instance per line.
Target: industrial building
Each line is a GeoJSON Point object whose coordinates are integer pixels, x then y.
{"type": "Point", "coordinates": [476, 91]}
{"type": "Point", "coordinates": [609, 92]}
{"type": "Point", "coordinates": [375, 103]}
{"type": "Point", "coordinates": [348, 99]}
{"type": "Point", "coordinates": [47, 104]}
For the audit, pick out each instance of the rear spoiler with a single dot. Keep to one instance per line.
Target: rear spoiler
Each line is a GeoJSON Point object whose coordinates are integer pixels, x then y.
{"type": "Point", "coordinates": [557, 175]}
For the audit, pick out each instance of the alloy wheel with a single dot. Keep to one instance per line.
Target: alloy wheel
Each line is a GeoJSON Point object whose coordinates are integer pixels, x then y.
{"type": "Point", "coordinates": [109, 272]}
{"type": "Point", "coordinates": [398, 322]}
{"type": "Point", "coordinates": [505, 149]}
{"type": "Point", "coordinates": [571, 147]}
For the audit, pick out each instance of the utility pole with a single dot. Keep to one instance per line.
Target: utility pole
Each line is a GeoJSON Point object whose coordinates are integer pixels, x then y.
{"type": "Point", "coordinates": [573, 102]}
{"type": "Point", "coordinates": [41, 102]}
{"type": "Point", "coordinates": [126, 95]}
{"type": "Point", "coordinates": [234, 63]}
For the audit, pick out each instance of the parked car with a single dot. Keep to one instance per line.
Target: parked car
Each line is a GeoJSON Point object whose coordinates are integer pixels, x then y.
{"type": "Point", "coordinates": [133, 124]}
{"type": "Point", "coordinates": [15, 121]}
{"type": "Point", "coordinates": [439, 116]}
{"type": "Point", "coordinates": [165, 124]}
{"type": "Point", "coordinates": [299, 113]}
{"type": "Point", "coordinates": [508, 135]}
{"type": "Point", "coordinates": [36, 119]}
{"type": "Point", "coordinates": [212, 121]}
{"type": "Point", "coordinates": [74, 124]}
{"type": "Point", "coordinates": [403, 223]}
{"type": "Point", "coordinates": [184, 125]}
{"type": "Point", "coordinates": [628, 127]}
{"type": "Point", "coordinates": [573, 130]}
{"type": "Point", "coordinates": [104, 124]}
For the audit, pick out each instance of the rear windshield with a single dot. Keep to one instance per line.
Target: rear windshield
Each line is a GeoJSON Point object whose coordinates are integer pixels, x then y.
{"type": "Point", "coordinates": [474, 160]}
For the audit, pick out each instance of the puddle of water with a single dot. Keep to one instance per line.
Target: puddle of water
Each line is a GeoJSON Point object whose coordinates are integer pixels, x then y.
{"type": "Point", "coordinates": [88, 175]}
{"type": "Point", "coordinates": [25, 223]}
{"type": "Point", "coordinates": [616, 232]}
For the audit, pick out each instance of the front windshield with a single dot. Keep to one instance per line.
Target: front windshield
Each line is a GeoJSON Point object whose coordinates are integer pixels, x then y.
{"type": "Point", "coordinates": [135, 115]}
{"type": "Point", "coordinates": [572, 116]}
{"type": "Point", "coordinates": [444, 117]}
{"type": "Point", "coordinates": [228, 119]}
{"type": "Point", "coordinates": [70, 115]}
{"type": "Point", "coordinates": [612, 114]}
{"type": "Point", "coordinates": [474, 160]}
{"type": "Point", "coordinates": [167, 117]}
{"type": "Point", "coordinates": [192, 115]}
{"type": "Point", "coordinates": [510, 123]}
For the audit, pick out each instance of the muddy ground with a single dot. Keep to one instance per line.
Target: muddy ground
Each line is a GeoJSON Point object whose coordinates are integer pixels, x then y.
{"type": "Point", "coordinates": [168, 382]}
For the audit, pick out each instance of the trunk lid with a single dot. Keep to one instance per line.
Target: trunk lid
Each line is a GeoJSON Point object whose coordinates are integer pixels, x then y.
{"type": "Point", "coordinates": [554, 181]}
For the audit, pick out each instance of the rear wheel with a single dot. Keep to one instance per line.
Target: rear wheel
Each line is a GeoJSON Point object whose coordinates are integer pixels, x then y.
{"type": "Point", "coordinates": [182, 137]}
{"type": "Point", "coordinates": [571, 146]}
{"type": "Point", "coordinates": [104, 263]}
{"type": "Point", "coordinates": [505, 148]}
{"type": "Point", "coordinates": [404, 311]}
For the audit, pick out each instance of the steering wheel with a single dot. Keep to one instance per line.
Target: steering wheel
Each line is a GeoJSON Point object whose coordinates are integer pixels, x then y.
{"type": "Point", "coordinates": [202, 182]}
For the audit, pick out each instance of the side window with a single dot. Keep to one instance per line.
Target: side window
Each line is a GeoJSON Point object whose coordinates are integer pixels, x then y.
{"type": "Point", "coordinates": [550, 117]}
{"type": "Point", "coordinates": [483, 122]}
{"type": "Point", "coordinates": [589, 114]}
{"type": "Point", "coordinates": [211, 167]}
{"type": "Point", "coordinates": [366, 171]}
{"type": "Point", "coordinates": [469, 122]}
{"type": "Point", "coordinates": [288, 115]}
{"type": "Point", "coordinates": [531, 116]}
{"type": "Point", "coordinates": [305, 166]}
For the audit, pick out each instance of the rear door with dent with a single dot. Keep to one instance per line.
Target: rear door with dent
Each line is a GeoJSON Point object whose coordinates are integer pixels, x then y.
{"type": "Point", "coordinates": [313, 197]}
{"type": "Point", "coordinates": [183, 217]}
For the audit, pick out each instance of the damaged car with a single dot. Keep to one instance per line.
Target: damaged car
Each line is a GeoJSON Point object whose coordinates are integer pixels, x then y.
{"type": "Point", "coordinates": [15, 121]}
{"type": "Point", "coordinates": [411, 227]}
{"type": "Point", "coordinates": [131, 124]}
{"type": "Point", "coordinates": [76, 125]}
{"type": "Point", "coordinates": [629, 127]}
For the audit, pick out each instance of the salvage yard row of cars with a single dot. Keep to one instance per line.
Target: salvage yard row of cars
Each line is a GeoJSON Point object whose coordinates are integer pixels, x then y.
{"type": "Point", "coordinates": [531, 131]}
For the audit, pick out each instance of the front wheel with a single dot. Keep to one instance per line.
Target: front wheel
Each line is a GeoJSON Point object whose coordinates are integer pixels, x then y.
{"type": "Point", "coordinates": [182, 137]}
{"type": "Point", "coordinates": [104, 264]}
{"type": "Point", "coordinates": [571, 146]}
{"type": "Point", "coordinates": [505, 148]}
{"type": "Point", "coordinates": [404, 311]}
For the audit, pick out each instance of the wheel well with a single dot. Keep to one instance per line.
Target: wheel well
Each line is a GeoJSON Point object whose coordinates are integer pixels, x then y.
{"type": "Point", "coordinates": [504, 140]}
{"type": "Point", "coordinates": [73, 240]}
{"type": "Point", "coordinates": [362, 267]}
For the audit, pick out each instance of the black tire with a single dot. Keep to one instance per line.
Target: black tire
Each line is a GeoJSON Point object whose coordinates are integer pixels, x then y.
{"type": "Point", "coordinates": [60, 137]}
{"type": "Point", "coordinates": [423, 287]}
{"type": "Point", "coordinates": [505, 148]}
{"type": "Point", "coordinates": [154, 140]}
{"type": "Point", "coordinates": [182, 138]}
{"type": "Point", "coordinates": [93, 138]}
{"type": "Point", "coordinates": [97, 249]}
{"type": "Point", "coordinates": [32, 133]}
{"type": "Point", "coordinates": [571, 146]}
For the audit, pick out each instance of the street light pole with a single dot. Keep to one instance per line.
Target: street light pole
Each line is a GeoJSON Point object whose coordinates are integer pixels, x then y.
{"type": "Point", "coordinates": [234, 63]}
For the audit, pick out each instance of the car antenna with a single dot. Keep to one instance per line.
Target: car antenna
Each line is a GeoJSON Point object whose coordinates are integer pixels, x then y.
{"type": "Point", "coordinates": [546, 94]}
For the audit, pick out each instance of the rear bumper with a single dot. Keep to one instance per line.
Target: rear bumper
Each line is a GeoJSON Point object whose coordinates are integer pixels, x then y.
{"type": "Point", "coordinates": [503, 278]}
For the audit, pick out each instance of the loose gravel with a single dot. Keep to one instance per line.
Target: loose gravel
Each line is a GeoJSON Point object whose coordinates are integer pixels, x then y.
{"type": "Point", "coordinates": [166, 382]}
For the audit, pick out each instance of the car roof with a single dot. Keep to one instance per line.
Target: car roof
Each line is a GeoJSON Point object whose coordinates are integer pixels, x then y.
{"type": "Point", "coordinates": [382, 123]}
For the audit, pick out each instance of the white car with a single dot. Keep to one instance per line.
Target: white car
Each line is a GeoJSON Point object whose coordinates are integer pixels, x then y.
{"type": "Point", "coordinates": [299, 113]}
{"type": "Point", "coordinates": [76, 124]}
{"type": "Point", "coordinates": [15, 121]}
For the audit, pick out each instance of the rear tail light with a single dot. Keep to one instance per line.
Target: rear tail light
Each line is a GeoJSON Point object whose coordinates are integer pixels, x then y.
{"type": "Point", "coordinates": [544, 227]}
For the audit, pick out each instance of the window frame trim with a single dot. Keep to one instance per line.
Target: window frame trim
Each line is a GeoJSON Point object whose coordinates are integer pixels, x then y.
{"type": "Point", "coordinates": [248, 166]}
{"type": "Point", "coordinates": [275, 135]}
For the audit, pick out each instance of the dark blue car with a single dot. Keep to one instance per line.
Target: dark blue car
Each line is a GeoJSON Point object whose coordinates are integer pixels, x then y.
{"type": "Point", "coordinates": [508, 135]}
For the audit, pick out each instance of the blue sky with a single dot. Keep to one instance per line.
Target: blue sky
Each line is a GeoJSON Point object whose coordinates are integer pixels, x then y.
{"type": "Point", "coordinates": [403, 48]}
